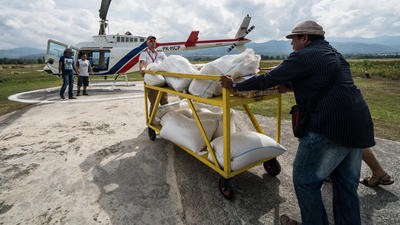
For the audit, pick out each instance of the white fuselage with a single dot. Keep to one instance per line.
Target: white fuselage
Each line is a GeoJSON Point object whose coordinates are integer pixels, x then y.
{"type": "Point", "coordinates": [118, 54]}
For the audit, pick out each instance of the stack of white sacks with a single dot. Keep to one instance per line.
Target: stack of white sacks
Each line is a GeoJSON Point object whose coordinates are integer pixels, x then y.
{"type": "Point", "coordinates": [175, 64]}
{"type": "Point", "coordinates": [235, 65]}
{"type": "Point", "coordinates": [179, 125]}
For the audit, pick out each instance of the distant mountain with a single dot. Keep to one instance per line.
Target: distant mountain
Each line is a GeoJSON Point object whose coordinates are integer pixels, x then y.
{"type": "Point", "coordinates": [347, 48]}
{"type": "Point", "coordinates": [33, 56]}
{"type": "Point", "coordinates": [363, 48]}
{"type": "Point", "coordinates": [271, 47]}
{"type": "Point", "coordinates": [24, 52]}
{"type": "Point", "coordinates": [393, 41]}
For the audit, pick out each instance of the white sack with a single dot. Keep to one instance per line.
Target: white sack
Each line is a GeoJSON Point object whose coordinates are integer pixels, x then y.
{"type": "Point", "coordinates": [178, 106]}
{"type": "Point", "coordinates": [207, 114]}
{"type": "Point", "coordinates": [173, 106]}
{"type": "Point", "coordinates": [154, 80]}
{"type": "Point", "coordinates": [220, 129]}
{"type": "Point", "coordinates": [185, 111]}
{"type": "Point", "coordinates": [219, 66]}
{"type": "Point", "coordinates": [184, 131]}
{"type": "Point", "coordinates": [151, 79]}
{"type": "Point", "coordinates": [246, 148]}
{"type": "Point", "coordinates": [205, 88]}
{"type": "Point", "coordinates": [208, 88]}
{"type": "Point", "coordinates": [237, 65]}
{"type": "Point", "coordinates": [246, 63]}
{"type": "Point", "coordinates": [176, 64]}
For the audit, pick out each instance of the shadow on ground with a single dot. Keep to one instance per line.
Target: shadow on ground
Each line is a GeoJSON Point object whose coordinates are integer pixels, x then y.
{"type": "Point", "coordinates": [145, 182]}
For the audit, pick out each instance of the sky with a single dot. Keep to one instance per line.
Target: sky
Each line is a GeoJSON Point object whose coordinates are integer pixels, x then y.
{"type": "Point", "coordinates": [30, 23]}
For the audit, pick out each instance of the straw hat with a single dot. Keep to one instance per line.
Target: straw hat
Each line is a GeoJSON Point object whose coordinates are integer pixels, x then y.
{"type": "Point", "coordinates": [307, 27]}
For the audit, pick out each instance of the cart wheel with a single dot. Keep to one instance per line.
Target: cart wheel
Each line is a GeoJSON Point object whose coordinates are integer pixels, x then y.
{"type": "Point", "coordinates": [225, 188]}
{"type": "Point", "coordinates": [272, 167]}
{"type": "Point", "coordinates": [152, 134]}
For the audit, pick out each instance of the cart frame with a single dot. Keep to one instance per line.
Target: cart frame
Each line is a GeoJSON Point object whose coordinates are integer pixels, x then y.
{"type": "Point", "coordinates": [226, 101]}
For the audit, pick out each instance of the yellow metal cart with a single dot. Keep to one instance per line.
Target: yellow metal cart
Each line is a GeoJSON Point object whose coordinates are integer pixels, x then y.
{"type": "Point", "coordinates": [226, 101]}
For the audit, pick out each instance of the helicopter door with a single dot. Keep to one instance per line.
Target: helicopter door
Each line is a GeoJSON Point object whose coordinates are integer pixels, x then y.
{"type": "Point", "coordinates": [54, 51]}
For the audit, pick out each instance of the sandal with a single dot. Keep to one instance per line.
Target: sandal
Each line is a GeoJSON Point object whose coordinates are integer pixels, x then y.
{"type": "Point", "coordinates": [285, 220]}
{"type": "Point", "coordinates": [375, 180]}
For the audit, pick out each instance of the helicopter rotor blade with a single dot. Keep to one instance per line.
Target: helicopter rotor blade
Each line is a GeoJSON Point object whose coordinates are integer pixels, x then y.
{"type": "Point", "coordinates": [105, 4]}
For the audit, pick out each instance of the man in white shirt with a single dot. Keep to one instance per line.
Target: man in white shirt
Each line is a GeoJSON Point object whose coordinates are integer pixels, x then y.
{"type": "Point", "coordinates": [150, 55]}
{"type": "Point", "coordinates": [84, 69]}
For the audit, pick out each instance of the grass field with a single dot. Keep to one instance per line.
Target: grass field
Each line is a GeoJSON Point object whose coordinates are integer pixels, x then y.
{"type": "Point", "coordinates": [19, 78]}
{"type": "Point", "coordinates": [381, 90]}
{"type": "Point", "coordinates": [374, 68]}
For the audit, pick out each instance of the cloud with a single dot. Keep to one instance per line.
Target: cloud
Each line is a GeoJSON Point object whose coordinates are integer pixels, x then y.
{"type": "Point", "coordinates": [358, 18]}
{"type": "Point", "coordinates": [31, 23]}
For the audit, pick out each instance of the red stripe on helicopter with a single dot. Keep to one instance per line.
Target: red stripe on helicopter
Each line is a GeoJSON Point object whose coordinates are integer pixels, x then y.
{"type": "Point", "coordinates": [129, 65]}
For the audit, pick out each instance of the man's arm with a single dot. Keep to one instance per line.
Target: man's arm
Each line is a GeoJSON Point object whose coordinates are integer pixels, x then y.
{"type": "Point", "coordinates": [76, 70]}
{"type": "Point", "coordinates": [227, 82]}
{"type": "Point", "coordinates": [90, 69]}
{"type": "Point", "coordinates": [259, 82]}
{"type": "Point", "coordinates": [59, 67]}
{"type": "Point", "coordinates": [142, 66]}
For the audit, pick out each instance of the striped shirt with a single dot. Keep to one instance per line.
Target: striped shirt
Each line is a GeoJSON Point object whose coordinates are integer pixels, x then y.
{"type": "Point", "coordinates": [342, 114]}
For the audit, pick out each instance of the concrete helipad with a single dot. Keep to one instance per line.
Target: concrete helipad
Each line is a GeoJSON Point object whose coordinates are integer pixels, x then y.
{"type": "Point", "coordinates": [97, 92]}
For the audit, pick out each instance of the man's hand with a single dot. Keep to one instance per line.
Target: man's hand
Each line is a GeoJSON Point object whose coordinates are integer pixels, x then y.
{"type": "Point", "coordinates": [226, 82]}
{"type": "Point", "coordinates": [142, 71]}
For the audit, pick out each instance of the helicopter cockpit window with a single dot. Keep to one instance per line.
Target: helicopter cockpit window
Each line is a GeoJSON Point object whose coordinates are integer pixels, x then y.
{"type": "Point", "coordinates": [99, 60]}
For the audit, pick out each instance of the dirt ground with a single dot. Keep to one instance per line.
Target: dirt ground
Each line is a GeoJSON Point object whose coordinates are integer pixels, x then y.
{"type": "Point", "coordinates": [90, 161]}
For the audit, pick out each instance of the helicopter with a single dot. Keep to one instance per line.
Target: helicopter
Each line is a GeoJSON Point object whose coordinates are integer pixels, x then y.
{"type": "Point", "coordinates": [116, 54]}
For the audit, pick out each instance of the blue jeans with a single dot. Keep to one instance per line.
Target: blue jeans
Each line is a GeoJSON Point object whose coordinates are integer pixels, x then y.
{"type": "Point", "coordinates": [317, 158]}
{"type": "Point", "coordinates": [68, 80]}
